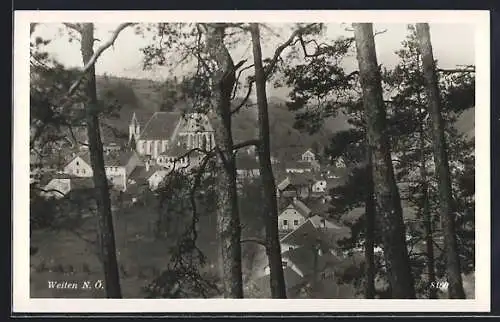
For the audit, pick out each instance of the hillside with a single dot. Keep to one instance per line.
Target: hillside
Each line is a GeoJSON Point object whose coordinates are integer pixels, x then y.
{"type": "Point", "coordinates": [286, 141]}
{"type": "Point", "coordinates": [466, 122]}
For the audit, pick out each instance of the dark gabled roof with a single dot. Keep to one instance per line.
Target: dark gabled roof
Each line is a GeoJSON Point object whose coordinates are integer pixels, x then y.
{"type": "Point", "coordinates": [118, 159]}
{"type": "Point", "coordinates": [142, 116]}
{"type": "Point", "coordinates": [303, 259]}
{"type": "Point", "coordinates": [160, 126]}
{"type": "Point", "coordinates": [140, 173]}
{"type": "Point", "coordinates": [301, 207]}
{"type": "Point", "coordinates": [112, 159]}
{"type": "Point", "coordinates": [335, 182]}
{"type": "Point", "coordinates": [292, 279]}
{"type": "Point", "coordinates": [301, 179]}
{"type": "Point", "coordinates": [84, 155]}
{"type": "Point", "coordinates": [317, 206]}
{"type": "Point", "coordinates": [296, 180]}
{"type": "Point", "coordinates": [305, 234]}
{"type": "Point", "coordinates": [317, 229]}
{"type": "Point", "coordinates": [246, 162]}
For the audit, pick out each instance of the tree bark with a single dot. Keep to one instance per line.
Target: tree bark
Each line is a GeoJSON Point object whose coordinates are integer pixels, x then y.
{"type": "Point", "coordinates": [105, 217]}
{"type": "Point", "coordinates": [270, 205]}
{"type": "Point", "coordinates": [429, 242]}
{"type": "Point", "coordinates": [388, 203]}
{"type": "Point", "coordinates": [370, 233]}
{"type": "Point", "coordinates": [228, 220]}
{"type": "Point", "coordinates": [455, 287]}
{"type": "Point", "coordinates": [424, 206]}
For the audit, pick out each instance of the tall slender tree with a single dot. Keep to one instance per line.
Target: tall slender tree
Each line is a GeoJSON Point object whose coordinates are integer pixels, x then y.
{"type": "Point", "coordinates": [270, 206]}
{"type": "Point", "coordinates": [388, 203]}
{"type": "Point", "coordinates": [370, 232]}
{"type": "Point", "coordinates": [455, 289]}
{"type": "Point", "coordinates": [105, 217]}
{"type": "Point", "coordinates": [223, 78]}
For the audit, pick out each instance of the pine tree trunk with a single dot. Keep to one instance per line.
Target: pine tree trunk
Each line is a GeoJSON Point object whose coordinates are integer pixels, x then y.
{"type": "Point", "coordinates": [270, 205]}
{"type": "Point", "coordinates": [429, 241]}
{"type": "Point", "coordinates": [370, 234]}
{"type": "Point", "coordinates": [105, 217]}
{"type": "Point", "coordinates": [425, 208]}
{"type": "Point", "coordinates": [228, 220]}
{"type": "Point", "coordinates": [388, 204]}
{"type": "Point", "coordinates": [455, 285]}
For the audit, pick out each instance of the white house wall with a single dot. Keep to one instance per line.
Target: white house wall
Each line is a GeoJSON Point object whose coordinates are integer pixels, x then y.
{"type": "Point", "coordinates": [319, 186]}
{"type": "Point", "coordinates": [290, 215]}
{"type": "Point", "coordinates": [79, 168]}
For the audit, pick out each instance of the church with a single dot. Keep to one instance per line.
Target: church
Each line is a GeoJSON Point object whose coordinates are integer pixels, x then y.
{"type": "Point", "coordinates": [157, 134]}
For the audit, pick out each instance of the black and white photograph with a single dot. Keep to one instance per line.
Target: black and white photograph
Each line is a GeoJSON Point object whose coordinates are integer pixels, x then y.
{"type": "Point", "coordinates": [232, 157]}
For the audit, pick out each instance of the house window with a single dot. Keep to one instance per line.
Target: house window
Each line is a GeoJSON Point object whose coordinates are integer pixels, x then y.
{"type": "Point", "coordinates": [285, 222]}
{"type": "Point", "coordinates": [77, 171]}
{"type": "Point", "coordinates": [290, 247]}
{"type": "Point", "coordinates": [284, 264]}
{"type": "Point", "coordinates": [83, 171]}
{"type": "Point", "coordinates": [295, 222]}
{"type": "Point", "coordinates": [77, 163]}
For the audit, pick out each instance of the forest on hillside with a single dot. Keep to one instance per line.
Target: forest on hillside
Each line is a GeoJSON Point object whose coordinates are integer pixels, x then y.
{"type": "Point", "coordinates": [405, 133]}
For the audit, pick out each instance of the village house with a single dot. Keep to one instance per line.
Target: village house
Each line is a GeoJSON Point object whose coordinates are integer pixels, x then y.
{"type": "Point", "coordinates": [310, 252]}
{"type": "Point", "coordinates": [308, 156]}
{"type": "Point", "coordinates": [316, 230]}
{"type": "Point", "coordinates": [118, 167]}
{"type": "Point", "coordinates": [295, 185]}
{"type": "Point", "coordinates": [293, 215]}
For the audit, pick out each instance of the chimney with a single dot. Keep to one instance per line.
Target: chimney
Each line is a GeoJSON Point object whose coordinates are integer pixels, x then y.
{"type": "Point", "coordinates": [294, 199]}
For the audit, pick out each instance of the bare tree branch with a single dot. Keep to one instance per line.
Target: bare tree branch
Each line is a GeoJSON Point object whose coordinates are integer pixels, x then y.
{"type": "Point", "coordinates": [379, 32]}
{"type": "Point", "coordinates": [244, 144]}
{"type": "Point", "coordinates": [97, 53]}
{"type": "Point", "coordinates": [48, 190]}
{"type": "Point", "coordinates": [254, 240]}
{"type": "Point", "coordinates": [74, 26]}
{"type": "Point", "coordinates": [457, 70]}
{"type": "Point", "coordinates": [245, 99]}
{"type": "Point", "coordinates": [282, 47]}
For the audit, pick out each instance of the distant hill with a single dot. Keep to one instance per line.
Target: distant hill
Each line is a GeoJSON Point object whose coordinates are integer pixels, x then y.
{"type": "Point", "coordinates": [466, 122]}
{"type": "Point", "coordinates": [286, 141]}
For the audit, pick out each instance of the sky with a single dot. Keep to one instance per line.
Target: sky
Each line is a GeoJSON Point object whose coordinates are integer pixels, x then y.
{"type": "Point", "coordinates": [453, 44]}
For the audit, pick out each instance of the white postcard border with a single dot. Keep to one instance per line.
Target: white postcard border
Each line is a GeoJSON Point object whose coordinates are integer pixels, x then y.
{"type": "Point", "coordinates": [20, 216]}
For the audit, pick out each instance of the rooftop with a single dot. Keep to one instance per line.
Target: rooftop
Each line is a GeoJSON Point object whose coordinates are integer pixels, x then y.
{"type": "Point", "coordinates": [160, 126]}
{"type": "Point", "coordinates": [303, 259]}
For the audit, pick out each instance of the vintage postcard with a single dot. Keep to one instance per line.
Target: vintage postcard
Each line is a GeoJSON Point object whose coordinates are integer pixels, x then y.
{"type": "Point", "coordinates": [251, 161]}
